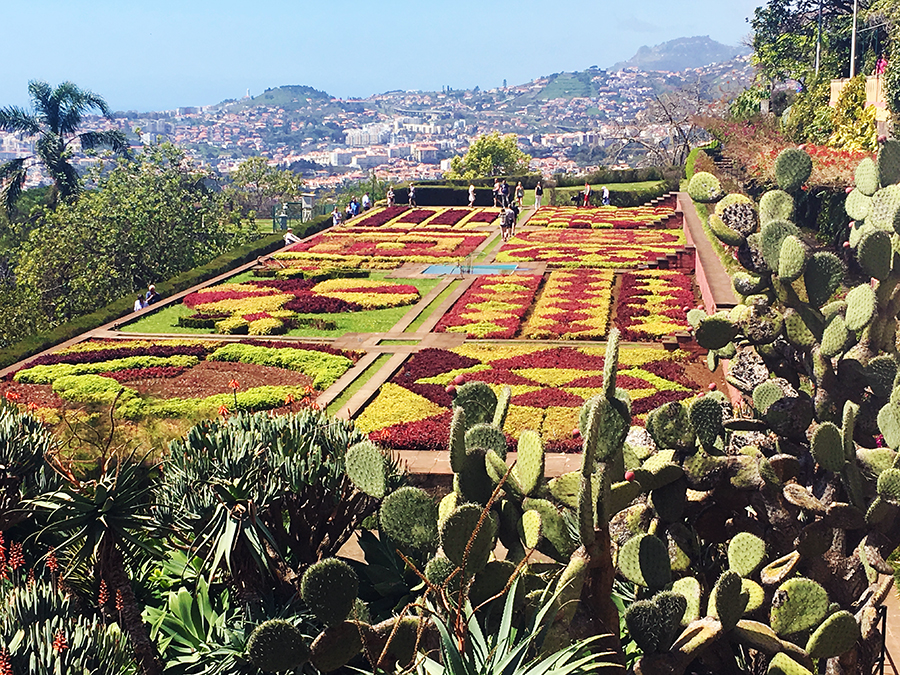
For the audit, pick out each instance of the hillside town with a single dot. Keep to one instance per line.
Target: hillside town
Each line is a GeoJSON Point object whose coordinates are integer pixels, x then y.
{"type": "Point", "coordinates": [413, 135]}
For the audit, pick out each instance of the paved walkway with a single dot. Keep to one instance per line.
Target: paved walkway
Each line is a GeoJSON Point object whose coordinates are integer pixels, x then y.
{"type": "Point", "coordinates": [714, 282]}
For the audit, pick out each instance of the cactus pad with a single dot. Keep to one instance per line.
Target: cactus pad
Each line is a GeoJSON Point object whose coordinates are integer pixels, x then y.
{"type": "Point", "coordinates": [746, 553]}
{"type": "Point", "coordinates": [458, 440]}
{"type": "Point", "coordinates": [336, 646]}
{"type": "Point", "coordinates": [792, 169]}
{"type": "Point", "coordinates": [553, 526]}
{"type": "Point", "coordinates": [729, 599]}
{"type": "Point", "coordinates": [889, 162]}
{"type": "Point", "coordinates": [644, 560]}
{"type": "Point", "coordinates": [329, 588]}
{"type": "Point", "coordinates": [835, 337]}
{"type": "Point", "coordinates": [874, 253]}
{"type": "Point", "coordinates": [775, 205]}
{"type": "Point", "coordinates": [880, 375]}
{"type": "Point", "coordinates": [458, 535]}
{"type": "Point", "coordinates": [857, 205]}
{"type": "Point", "coordinates": [531, 528]}
{"type": "Point", "coordinates": [479, 402]}
{"type": "Point", "coordinates": [739, 217]}
{"type": "Point", "coordinates": [860, 307]}
{"type": "Point", "coordinates": [798, 604]}
{"type": "Point", "coordinates": [706, 419]}
{"type": "Point", "coordinates": [438, 570]}
{"type": "Point", "coordinates": [824, 273]}
{"type": "Point", "coordinates": [671, 426]}
{"type": "Point", "coordinates": [502, 408]}
{"type": "Point", "coordinates": [889, 485]}
{"type": "Point", "coordinates": [694, 316]}
{"type": "Point", "coordinates": [409, 516]}
{"type": "Point", "coordinates": [747, 284]}
{"type": "Point", "coordinates": [771, 237]}
{"type": "Point", "coordinates": [724, 233]}
{"type": "Point", "coordinates": [486, 437]}
{"type": "Point", "coordinates": [792, 259]}
{"type": "Point", "coordinates": [837, 634]}
{"type": "Point", "coordinates": [491, 581]}
{"type": "Point", "coordinates": [889, 424]}
{"type": "Point", "coordinates": [782, 664]}
{"type": "Point", "coordinates": [705, 188]}
{"type": "Point", "coordinates": [366, 467]}
{"type": "Point", "coordinates": [780, 569]}
{"type": "Point", "coordinates": [669, 500]}
{"type": "Point", "coordinates": [765, 394]}
{"type": "Point", "coordinates": [883, 212]}
{"type": "Point", "coordinates": [866, 177]}
{"type": "Point", "coordinates": [828, 447]}
{"type": "Point", "coordinates": [276, 646]}
{"type": "Point", "coordinates": [644, 621]}
{"type": "Point", "coordinates": [689, 589]}
{"type": "Point", "coordinates": [758, 636]}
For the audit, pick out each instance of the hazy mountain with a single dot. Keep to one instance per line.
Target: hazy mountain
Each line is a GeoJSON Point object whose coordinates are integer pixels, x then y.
{"type": "Point", "coordinates": [681, 54]}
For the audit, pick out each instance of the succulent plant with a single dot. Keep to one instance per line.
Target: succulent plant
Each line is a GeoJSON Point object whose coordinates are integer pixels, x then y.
{"type": "Point", "coordinates": [329, 588]}
{"type": "Point", "coordinates": [276, 646]}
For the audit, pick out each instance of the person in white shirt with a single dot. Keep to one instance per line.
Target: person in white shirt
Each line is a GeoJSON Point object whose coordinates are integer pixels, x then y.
{"type": "Point", "coordinates": [291, 238]}
{"type": "Point", "coordinates": [139, 304]}
{"type": "Point", "coordinates": [366, 202]}
{"type": "Point", "coordinates": [471, 196]}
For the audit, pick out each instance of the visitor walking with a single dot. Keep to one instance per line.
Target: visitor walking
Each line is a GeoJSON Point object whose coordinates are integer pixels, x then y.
{"type": "Point", "coordinates": [366, 202]}
{"type": "Point", "coordinates": [587, 195]}
{"type": "Point", "coordinates": [496, 192]}
{"type": "Point", "coordinates": [507, 222]}
{"type": "Point", "coordinates": [520, 194]}
{"type": "Point", "coordinates": [504, 193]}
{"type": "Point", "coordinates": [390, 196]}
{"type": "Point", "coordinates": [471, 195]}
{"type": "Point", "coordinates": [412, 196]}
{"type": "Point", "coordinates": [605, 196]}
{"type": "Point", "coordinates": [335, 216]}
{"type": "Point", "coordinates": [515, 209]}
{"type": "Point", "coordinates": [538, 196]}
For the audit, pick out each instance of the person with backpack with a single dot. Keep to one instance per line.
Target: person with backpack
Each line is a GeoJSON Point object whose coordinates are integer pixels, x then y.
{"type": "Point", "coordinates": [538, 196]}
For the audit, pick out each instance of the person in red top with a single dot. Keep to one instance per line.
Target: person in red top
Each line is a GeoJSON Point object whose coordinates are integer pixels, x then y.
{"type": "Point", "coordinates": [587, 195]}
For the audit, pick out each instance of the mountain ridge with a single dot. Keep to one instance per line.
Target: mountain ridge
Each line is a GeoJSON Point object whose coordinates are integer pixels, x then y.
{"type": "Point", "coordinates": [681, 54]}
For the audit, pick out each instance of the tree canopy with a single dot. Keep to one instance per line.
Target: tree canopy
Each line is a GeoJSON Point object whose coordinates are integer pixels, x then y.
{"type": "Point", "coordinates": [255, 183]}
{"type": "Point", "coordinates": [490, 155]}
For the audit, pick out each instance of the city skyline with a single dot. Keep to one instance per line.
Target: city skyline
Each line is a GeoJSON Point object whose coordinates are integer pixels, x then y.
{"type": "Point", "coordinates": [166, 55]}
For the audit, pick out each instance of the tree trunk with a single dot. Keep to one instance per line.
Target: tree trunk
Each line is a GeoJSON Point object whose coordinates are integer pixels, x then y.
{"type": "Point", "coordinates": [112, 568]}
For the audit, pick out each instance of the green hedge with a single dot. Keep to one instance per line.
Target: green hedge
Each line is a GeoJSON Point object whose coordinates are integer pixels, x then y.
{"type": "Point", "coordinates": [604, 176]}
{"type": "Point", "coordinates": [35, 344]}
{"type": "Point", "coordinates": [627, 196]}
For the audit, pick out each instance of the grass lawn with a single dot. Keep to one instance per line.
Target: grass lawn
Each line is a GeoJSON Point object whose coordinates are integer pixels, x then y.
{"type": "Point", "coordinates": [357, 384]}
{"type": "Point", "coordinates": [371, 321]}
{"type": "Point", "coordinates": [428, 311]}
{"type": "Point", "coordinates": [643, 186]}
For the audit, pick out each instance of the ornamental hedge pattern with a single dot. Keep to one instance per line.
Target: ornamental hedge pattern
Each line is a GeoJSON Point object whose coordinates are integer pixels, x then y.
{"type": "Point", "coordinates": [398, 216]}
{"type": "Point", "coordinates": [603, 217]}
{"type": "Point", "coordinates": [605, 249]}
{"type": "Point", "coordinates": [492, 307]}
{"type": "Point", "coordinates": [573, 305]}
{"type": "Point", "coordinates": [548, 385]}
{"type": "Point", "coordinates": [653, 303]}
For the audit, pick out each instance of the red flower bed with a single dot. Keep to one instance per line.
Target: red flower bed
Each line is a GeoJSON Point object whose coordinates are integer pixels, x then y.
{"type": "Point", "coordinates": [256, 315]}
{"type": "Point", "coordinates": [416, 216]}
{"type": "Point", "coordinates": [651, 304]}
{"type": "Point", "coordinates": [430, 362]}
{"type": "Point", "coordinates": [285, 285]}
{"type": "Point", "coordinates": [545, 398]}
{"type": "Point", "coordinates": [428, 434]}
{"type": "Point", "coordinates": [484, 217]}
{"type": "Point", "coordinates": [647, 404]}
{"type": "Point", "coordinates": [564, 357]}
{"type": "Point", "coordinates": [208, 297]}
{"type": "Point", "coordinates": [379, 218]}
{"type": "Point", "coordinates": [310, 303]}
{"type": "Point", "coordinates": [310, 347]}
{"type": "Point", "coordinates": [475, 313]}
{"type": "Point", "coordinates": [97, 355]}
{"type": "Point", "coordinates": [156, 372]}
{"type": "Point", "coordinates": [449, 217]}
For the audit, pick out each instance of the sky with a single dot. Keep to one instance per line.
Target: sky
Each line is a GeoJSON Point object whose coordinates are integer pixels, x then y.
{"type": "Point", "coordinates": [163, 54]}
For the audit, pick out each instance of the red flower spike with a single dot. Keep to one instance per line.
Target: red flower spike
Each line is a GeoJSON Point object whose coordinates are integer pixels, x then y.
{"type": "Point", "coordinates": [52, 562]}
{"type": "Point", "coordinates": [234, 384]}
{"type": "Point", "coordinates": [120, 600]}
{"type": "Point", "coordinates": [60, 643]}
{"type": "Point", "coordinates": [16, 559]}
{"type": "Point", "coordinates": [5, 663]}
{"type": "Point", "coordinates": [11, 395]}
{"type": "Point", "coordinates": [103, 595]}
{"type": "Point", "coordinates": [223, 410]}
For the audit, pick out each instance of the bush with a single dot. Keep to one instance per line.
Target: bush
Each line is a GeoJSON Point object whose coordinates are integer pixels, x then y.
{"type": "Point", "coordinates": [91, 389]}
{"type": "Point", "coordinates": [324, 368]}
{"type": "Point", "coordinates": [602, 176]}
{"type": "Point", "coordinates": [51, 373]}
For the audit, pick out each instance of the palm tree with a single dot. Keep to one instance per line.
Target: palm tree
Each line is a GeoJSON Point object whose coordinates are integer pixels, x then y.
{"type": "Point", "coordinates": [55, 120]}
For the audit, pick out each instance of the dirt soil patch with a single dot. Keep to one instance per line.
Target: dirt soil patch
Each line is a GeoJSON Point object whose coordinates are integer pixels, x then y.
{"type": "Point", "coordinates": [208, 378]}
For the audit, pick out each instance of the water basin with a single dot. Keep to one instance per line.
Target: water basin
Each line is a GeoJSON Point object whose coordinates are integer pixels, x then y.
{"type": "Point", "coordinates": [475, 269]}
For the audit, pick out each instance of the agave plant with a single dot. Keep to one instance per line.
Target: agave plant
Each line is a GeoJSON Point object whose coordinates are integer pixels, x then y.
{"type": "Point", "coordinates": [511, 650]}
{"type": "Point", "coordinates": [105, 522]}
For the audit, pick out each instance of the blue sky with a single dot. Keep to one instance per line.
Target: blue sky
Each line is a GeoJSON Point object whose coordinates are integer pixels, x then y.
{"type": "Point", "coordinates": [161, 54]}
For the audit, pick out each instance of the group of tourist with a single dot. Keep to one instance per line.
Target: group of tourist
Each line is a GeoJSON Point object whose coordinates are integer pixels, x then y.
{"type": "Point", "coordinates": [501, 194]}
{"type": "Point", "coordinates": [147, 299]}
{"type": "Point", "coordinates": [586, 195]}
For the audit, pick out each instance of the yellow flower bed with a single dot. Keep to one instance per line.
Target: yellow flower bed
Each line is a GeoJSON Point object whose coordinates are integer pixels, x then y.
{"type": "Point", "coordinates": [395, 405]}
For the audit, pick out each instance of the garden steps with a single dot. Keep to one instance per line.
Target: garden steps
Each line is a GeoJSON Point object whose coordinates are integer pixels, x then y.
{"type": "Point", "coordinates": [710, 275]}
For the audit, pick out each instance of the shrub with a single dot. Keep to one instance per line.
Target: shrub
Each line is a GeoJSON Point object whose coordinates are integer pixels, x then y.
{"type": "Point", "coordinates": [49, 374]}
{"type": "Point", "coordinates": [325, 369]}
{"type": "Point", "coordinates": [91, 389]}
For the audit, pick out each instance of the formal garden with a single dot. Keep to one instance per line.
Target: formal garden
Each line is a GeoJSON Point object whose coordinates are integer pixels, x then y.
{"type": "Point", "coordinates": [643, 472]}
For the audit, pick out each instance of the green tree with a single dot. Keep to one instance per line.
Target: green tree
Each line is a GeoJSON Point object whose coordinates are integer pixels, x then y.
{"type": "Point", "coordinates": [255, 183]}
{"type": "Point", "coordinates": [148, 220]}
{"type": "Point", "coordinates": [490, 155]}
{"type": "Point", "coordinates": [55, 121]}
